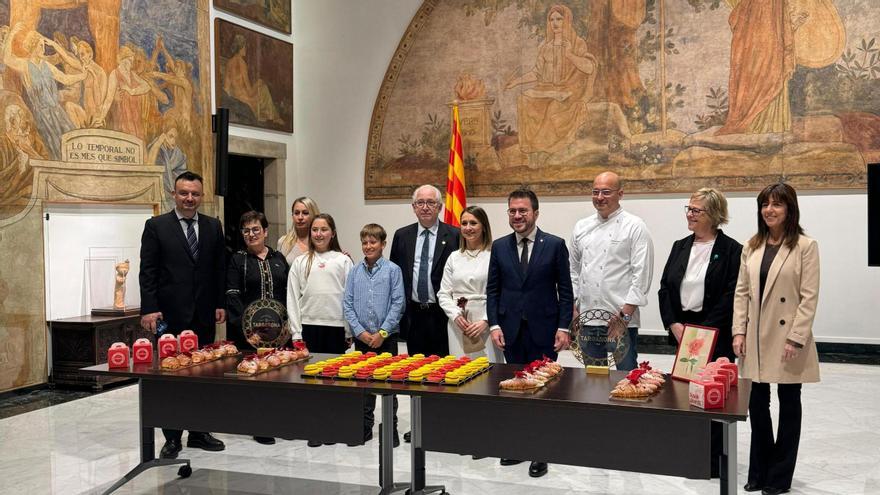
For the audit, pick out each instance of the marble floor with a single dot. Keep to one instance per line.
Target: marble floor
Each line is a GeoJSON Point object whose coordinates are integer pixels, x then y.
{"type": "Point", "coordinates": [84, 445]}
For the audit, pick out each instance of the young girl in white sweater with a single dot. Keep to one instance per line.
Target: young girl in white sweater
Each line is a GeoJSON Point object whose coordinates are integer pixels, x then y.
{"type": "Point", "coordinates": [315, 288]}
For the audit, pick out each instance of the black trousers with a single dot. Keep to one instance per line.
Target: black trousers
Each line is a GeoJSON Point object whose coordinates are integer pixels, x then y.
{"type": "Point", "coordinates": [206, 334]}
{"type": "Point", "coordinates": [389, 345]}
{"type": "Point", "coordinates": [772, 463]}
{"type": "Point", "coordinates": [426, 329]}
{"type": "Point", "coordinates": [524, 350]}
{"type": "Point", "coordinates": [320, 338]}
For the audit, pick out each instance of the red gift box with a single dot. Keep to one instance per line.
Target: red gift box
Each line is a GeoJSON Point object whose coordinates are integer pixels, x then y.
{"type": "Point", "coordinates": [117, 356]}
{"type": "Point", "coordinates": [706, 394]}
{"type": "Point", "coordinates": [189, 341]}
{"type": "Point", "coordinates": [167, 345]}
{"type": "Point", "coordinates": [142, 351]}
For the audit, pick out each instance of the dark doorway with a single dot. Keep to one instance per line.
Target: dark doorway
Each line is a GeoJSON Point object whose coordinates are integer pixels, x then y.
{"type": "Point", "coordinates": [245, 194]}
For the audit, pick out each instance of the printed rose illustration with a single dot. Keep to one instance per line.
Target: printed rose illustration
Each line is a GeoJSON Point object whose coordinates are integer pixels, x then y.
{"type": "Point", "coordinates": [693, 350]}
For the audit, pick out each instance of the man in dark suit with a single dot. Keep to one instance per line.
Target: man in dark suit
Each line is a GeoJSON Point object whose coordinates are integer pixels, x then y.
{"type": "Point", "coordinates": [421, 250]}
{"type": "Point", "coordinates": [529, 295]}
{"type": "Point", "coordinates": [182, 281]}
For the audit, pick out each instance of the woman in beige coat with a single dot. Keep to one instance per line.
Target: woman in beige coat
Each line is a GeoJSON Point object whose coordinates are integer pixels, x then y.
{"type": "Point", "coordinates": [773, 311]}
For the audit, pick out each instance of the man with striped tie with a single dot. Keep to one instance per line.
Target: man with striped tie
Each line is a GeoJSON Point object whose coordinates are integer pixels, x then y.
{"type": "Point", "coordinates": [183, 281]}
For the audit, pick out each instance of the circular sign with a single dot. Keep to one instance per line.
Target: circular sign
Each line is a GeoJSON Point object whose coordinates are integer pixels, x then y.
{"type": "Point", "coordinates": [713, 396]}
{"type": "Point", "coordinates": [265, 323]}
{"type": "Point", "coordinates": [169, 348]}
{"type": "Point", "coordinates": [598, 338]}
{"type": "Point", "coordinates": [117, 359]}
{"type": "Point", "coordinates": [141, 353]}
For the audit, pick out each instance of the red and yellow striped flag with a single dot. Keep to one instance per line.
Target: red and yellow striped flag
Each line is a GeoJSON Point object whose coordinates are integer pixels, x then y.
{"type": "Point", "coordinates": [456, 199]}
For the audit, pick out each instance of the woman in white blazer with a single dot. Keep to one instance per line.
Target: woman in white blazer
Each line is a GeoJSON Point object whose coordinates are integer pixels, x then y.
{"type": "Point", "coordinates": [773, 310]}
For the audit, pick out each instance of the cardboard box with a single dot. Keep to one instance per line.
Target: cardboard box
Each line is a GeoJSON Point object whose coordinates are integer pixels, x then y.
{"type": "Point", "coordinates": [117, 356]}
{"type": "Point", "coordinates": [167, 346]}
{"type": "Point", "coordinates": [706, 394]}
{"type": "Point", "coordinates": [189, 341]}
{"type": "Point", "coordinates": [142, 351]}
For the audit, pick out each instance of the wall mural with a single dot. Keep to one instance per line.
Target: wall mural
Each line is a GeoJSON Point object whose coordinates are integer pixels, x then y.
{"type": "Point", "coordinates": [254, 77]}
{"type": "Point", "coordinates": [101, 101]}
{"type": "Point", "coordinates": [553, 92]}
{"type": "Point", "coordinates": [274, 14]}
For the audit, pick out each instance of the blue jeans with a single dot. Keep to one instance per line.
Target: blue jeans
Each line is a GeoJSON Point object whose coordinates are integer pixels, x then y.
{"type": "Point", "coordinates": [599, 350]}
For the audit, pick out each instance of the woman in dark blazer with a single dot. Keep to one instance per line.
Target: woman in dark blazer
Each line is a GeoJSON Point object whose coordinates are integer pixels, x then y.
{"type": "Point", "coordinates": [699, 281]}
{"type": "Point", "coordinates": [700, 275]}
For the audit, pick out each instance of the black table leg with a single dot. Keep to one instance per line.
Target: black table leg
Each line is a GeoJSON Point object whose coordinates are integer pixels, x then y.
{"type": "Point", "coordinates": [148, 453]}
{"type": "Point", "coordinates": [417, 484]}
{"type": "Point", "coordinates": [727, 462]}
{"type": "Point", "coordinates": [386, 449]}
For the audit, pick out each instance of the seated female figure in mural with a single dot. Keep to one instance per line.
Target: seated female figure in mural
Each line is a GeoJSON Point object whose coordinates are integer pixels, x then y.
{"type": "Point", "coordinates": [124, 101]}
{"type": "Point", "coordinates": [550, 113]}
{"type": "Point", "coordinates": [237, 84]}
{"type": "Point", "coordinates": [40, 79]}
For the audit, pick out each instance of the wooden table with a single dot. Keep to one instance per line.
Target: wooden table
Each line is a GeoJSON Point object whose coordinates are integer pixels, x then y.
{"type": "Point", "coordinates": [83, 341]}
{"type": "Point", "coordinates": [571, 421]}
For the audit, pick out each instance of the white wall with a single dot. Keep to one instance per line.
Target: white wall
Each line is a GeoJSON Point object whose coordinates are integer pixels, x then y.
{"type": "Point", "coordinates": [343, 48]}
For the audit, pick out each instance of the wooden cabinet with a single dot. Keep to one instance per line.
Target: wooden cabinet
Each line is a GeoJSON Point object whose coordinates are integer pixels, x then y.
{"type": "Point", "coordinates": [83, 341]}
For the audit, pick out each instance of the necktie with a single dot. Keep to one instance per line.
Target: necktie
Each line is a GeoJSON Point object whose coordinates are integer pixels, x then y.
{"type": "Point", "coordinates": [524, 257]}
{"type": "Point", "coordinates": [422, 287]}
{"type": "Point", "coordinates": [191, 238]}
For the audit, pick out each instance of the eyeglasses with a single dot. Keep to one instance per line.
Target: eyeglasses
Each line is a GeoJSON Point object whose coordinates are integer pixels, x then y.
{"type": "Point", "coordinates": [252, 231]}
{"type": "Point", "coordinates": [423, 203]}
{"type": "Point", "coordinates": [688, 209]}
{"type": "Point", "coordinates": [521, 211]}
{"type": "Point", "coordinates": [604, 192]}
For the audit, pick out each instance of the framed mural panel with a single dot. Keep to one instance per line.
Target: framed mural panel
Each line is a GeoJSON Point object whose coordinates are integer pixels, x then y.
{"type": "Point", "coordinates": [551, 92]}
{"type": "Point", "coordinates": [274, 14]}
{"type": "Point", "coordinates": [254, 77]}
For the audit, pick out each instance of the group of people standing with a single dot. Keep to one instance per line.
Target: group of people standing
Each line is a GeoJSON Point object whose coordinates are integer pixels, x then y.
{"type": "Point", "coordinates": [453, 290]}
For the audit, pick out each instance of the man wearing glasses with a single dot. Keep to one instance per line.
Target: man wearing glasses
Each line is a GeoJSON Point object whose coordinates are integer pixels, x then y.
{"type": "Point", "coordinates": [183, 281]}
{"type": "Point", "coordinates": [528, 294]}
{"type": "Point", "coordinates": [612, 262]}
{"type": "Point", "coordinates": [420, 250]}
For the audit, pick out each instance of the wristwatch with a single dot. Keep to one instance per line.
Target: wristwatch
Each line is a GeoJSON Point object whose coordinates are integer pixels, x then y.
{"type": "Point", "coordinates": [625, 317]}
{"type": "Point", "coordinates": [383, 333]}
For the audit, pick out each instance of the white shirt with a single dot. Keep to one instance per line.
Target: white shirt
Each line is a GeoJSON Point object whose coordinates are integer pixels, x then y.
{"type": "Point", "coordinates": [417, 260]}
{"type": "Point", "coordinates": [519, 244]}
{"type": "Point", "coordinates": [317, 300]}
{"type": "Point", "coordinates": [612, 263]}
{"type": "Point", "coordinates": [184, 225]}
{"type": "Point", "coordinates": [693, 285]}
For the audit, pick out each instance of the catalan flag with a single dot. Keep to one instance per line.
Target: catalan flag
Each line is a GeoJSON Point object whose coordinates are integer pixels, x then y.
{"type": "Point", "coordinates": [456, 199]}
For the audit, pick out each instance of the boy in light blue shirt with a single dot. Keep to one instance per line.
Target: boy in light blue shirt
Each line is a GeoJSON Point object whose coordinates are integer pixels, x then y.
{"type": "Point", "coordinates": [373, 306]}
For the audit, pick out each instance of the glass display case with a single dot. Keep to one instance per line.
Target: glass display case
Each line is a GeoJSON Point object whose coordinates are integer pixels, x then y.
{"type": "Point", "coordinates": [112, 280]}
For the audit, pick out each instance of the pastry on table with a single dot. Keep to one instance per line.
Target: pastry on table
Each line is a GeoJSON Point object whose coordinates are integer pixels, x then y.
{"type": "Point", "coordinates": [248, 366]}
{"type": "Point", "coordinates": [170, 363]}
{"type": "Point", "coordinates": [184, 360]}
{"type": "Point", "coordinates": [521, 381]}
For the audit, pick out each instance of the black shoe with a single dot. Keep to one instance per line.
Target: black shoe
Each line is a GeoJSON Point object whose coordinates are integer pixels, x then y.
{"type": "Point", "coordinates": [752, 487]}
{"type": "Point", "coordinates": [537, 469]}
{"type": "Point", "coordinates": [407, 437]}
{"type": "Point", "coordinates": [265, 440]}
{"type": "Point", "coordinates": [509, 462]}
{"type": "Point", "coordinates": [478, 457]}
{"type": "Point", "coordinates": [204, 441]}
{"type": "Point", "coordinates": [170, 449]}
{"type": "Point", "coordinates": [773, 491]}
{"type": "Point", "coordinates": [314, 443]}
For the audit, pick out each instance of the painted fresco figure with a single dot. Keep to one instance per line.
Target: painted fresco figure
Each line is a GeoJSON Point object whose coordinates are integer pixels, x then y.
{"type": "Point", "coordinates": [551, 112]}
{"type": "Point", "coordinates": [88, 112]}
{"type": "Point", "coordinates": [165, 152]}
{"type": "Point", "coordinates": [762, 61]}
{"type": "Point", "coordinates": [40, 80]}
{"type": "Point", "coordinates": [611, 37]}
{"type": "Point", "coordinates": [237, 84]}
{"type": "Point", "coordinates": [178, 79]}
{"type": "Point", "coordinates": [123, 104]}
